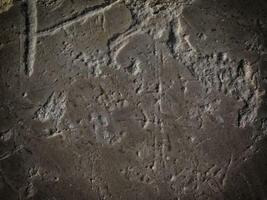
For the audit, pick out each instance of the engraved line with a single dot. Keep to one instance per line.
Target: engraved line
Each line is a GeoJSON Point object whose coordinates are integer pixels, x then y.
{"type": "Point", "coordinates": [86, 13]}
{"type": "Point", "coordinates": [31, 39]}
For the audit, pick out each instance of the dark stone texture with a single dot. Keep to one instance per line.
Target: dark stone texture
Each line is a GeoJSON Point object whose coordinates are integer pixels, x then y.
{"type": "Point", "coordinates": [130, 99]}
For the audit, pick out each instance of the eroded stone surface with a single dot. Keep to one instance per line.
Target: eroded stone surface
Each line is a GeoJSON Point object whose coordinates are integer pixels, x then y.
{"type": "Point", "coordinates": [5, 5]}
{"type": "Point", "coordinates": [133, 100]}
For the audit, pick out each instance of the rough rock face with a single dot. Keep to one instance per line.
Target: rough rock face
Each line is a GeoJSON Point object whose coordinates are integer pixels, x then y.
{"type": "Point", "coordinates": [129, 99]}
{"type": "Point", "coordinates": [5, 5]}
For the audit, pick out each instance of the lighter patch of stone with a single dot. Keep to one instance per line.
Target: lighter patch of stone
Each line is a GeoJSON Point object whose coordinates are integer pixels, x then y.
{"type": "Point", "coordinates": [32, 15]}
{"type": "Point", "coordinates": [5, 5]}
{"type": "Point", "coordinates": [54, 109]}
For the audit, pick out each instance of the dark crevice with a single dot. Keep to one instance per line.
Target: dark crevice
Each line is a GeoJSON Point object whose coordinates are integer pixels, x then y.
{"type": "Point", "coordinates": [109, 51]}
{"type": "Point", "coordinates": [240, 68]}
{"type": "Point", "coordinates": [26, 32]}
{"type": "Point", "coordinates": [172, 40]}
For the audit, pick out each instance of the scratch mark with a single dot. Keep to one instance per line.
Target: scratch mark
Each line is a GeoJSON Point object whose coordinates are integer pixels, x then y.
{"type": "Point", "coordinates": [30, 12]}
{"type": "Point", "coordinates": [227, 171]}
{"type": "Point", "coordinates": [165, 136]}
{"type": "Point", "coordinates": [83, 15]}
{"type": "Point", "coordinates": [156, 155]}
{"type": "Point", "coordinates": [6, 155]}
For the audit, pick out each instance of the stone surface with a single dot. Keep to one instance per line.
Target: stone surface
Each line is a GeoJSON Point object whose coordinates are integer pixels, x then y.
{"type": "Point", "coordinates": [153, 99]}
{"type": "Point", "coordinates": [5, 5]}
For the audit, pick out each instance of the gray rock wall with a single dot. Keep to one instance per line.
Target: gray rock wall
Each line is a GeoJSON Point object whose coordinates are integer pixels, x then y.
{"type": "Point", "coordinates": [129, 99]}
